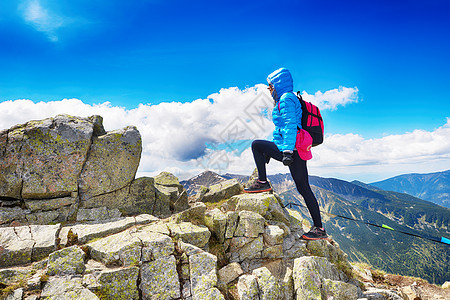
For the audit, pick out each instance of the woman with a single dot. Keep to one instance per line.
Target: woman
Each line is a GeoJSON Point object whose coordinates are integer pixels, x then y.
{"type": "Point", "coordinates": [287, 116]}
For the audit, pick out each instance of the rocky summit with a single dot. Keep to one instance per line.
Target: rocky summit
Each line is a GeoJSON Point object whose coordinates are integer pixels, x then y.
{"type": "Point", "coordinates": [76, 224]}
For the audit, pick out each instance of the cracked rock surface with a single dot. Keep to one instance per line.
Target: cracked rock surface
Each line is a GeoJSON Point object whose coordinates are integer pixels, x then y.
{"type": "Point", "coordinates": [69, 168]}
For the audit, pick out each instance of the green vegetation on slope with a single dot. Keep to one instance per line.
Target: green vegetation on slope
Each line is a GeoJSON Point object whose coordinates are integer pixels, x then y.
{"type": "Point", "coordinates": [388, 250]}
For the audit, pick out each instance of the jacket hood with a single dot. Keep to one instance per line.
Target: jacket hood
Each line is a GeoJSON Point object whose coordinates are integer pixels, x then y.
{"type": "Point", "coordinates": [281, 80]}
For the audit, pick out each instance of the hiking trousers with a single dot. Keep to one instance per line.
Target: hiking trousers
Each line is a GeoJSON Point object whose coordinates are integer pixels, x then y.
{"type": "Point", "coordinates": [298, 171]}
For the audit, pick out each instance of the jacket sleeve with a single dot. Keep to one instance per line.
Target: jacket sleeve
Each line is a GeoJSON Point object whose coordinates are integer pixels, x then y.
{"type": "Point", "coordinates": [289, 115]}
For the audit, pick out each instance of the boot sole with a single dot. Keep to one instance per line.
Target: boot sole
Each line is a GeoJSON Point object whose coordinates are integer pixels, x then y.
{"type": "Point", "coordinates": [315, 239]}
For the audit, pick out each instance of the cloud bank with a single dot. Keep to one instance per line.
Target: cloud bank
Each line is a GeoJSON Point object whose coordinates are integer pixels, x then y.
{"type": "Point", "coordinates": [216, 133]}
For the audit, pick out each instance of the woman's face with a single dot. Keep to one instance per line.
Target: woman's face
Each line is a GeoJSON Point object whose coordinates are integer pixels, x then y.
{"type": "Point", "coordinates": [272, 91]}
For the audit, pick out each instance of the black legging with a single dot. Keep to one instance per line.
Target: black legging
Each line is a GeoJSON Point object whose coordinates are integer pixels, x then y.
{"type": "Point", "coordinates": [298, 170]}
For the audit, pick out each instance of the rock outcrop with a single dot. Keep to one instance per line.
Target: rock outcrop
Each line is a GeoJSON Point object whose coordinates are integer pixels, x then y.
{"type": "Point", "coordinates": [69, 168]}
{"type": "Point", "coordinates": [235, 250]}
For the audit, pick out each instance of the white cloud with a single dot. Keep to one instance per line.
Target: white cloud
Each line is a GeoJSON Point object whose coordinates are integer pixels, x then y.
{"type": "Point", "coordinates": [41, 18]}
{"type": "Point", "coordinates": [333, 98]}
{"type": "Point", "coordinates": [216, 133]}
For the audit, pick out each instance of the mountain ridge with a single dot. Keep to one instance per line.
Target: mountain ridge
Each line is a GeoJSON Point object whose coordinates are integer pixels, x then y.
{"type": "Point", "coordinates": [433, 187]}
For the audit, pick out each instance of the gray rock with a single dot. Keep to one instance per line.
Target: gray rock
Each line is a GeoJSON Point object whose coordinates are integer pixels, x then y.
{"type": "Point", "coordinates": [378, 294]}
{"type": "Point", "coordinates": [67, 261]}
{"type": "Point", "coordinates": [247, 288]}
{"type": "Point", "coordinates": [238, 242]}
{"type": "Point", "coordinates": [65, 288]}
{"type": "Point", "coordinates": [186, 290]}
{"type": "Point", "coordinates": [16, 245]}
{"type": "Point", "coordinates": [321, 265]}
{"type": "Point", "coordinates": [117, 249]}
{"type": "Point", "coordinates": [308, 274]}
{"type": "Point", "coordinates": [190, 233]}
{"type": "Point", "coordinates": [268, 285]}
{"type": "Point", "coordinates": [112, 162]}
{"type": "Point", "coordinates": [164, 198]}
{"type": "Point", "coordinates": [216, 221]}
{"type": "Point", "coordinates": [265, 204]}
{"type": "Point", "coordinates": [250, 224]}
{"type": "Point", "coordinates": [287, 285]}
{"type": "Point", "coordinates": [188, 248]}
{"type": "Point", "coordinates": [229, 273]}
{"type": "Point", "coordinates": [87, 232]}
{"type": "Point", "coordinates": [258, 203]}
{"type": "Point", "coordinates": [97, 214]}
{"type": "Point", "coordinates": [273, 235]}
{"type": "Point", "coordinates": [169, 180]}
{"type": "Point", "coordinates": [156, 227]}
{"type": "Point", "coordinates": [9, 276]}
{"type": "Point", "coordinates": [222, 190]}
{"type": "Point", "coordinates": [10, 214]}
{"type": "Point", "coordinates": [273, 252]}
{"type": "Point", "coordinates": [203, 272]}
{"type": "Point", "coordinates": [155, 245]}
{"type": "Point", "coordinates": [211, 294]}
{"type": "Point", "coordinates": [338, 290]}
{"type": "Point", "coordinates": [15, 295]}
{"type": "Point", "coordinates": [46, 217]}
{"type": "Point", "coordinates": [34, 283]}
{"type": "Point", "coordinates": [159, 279]}
{"type": "Point", "coordinates": [126, 248]}
{"type": "Point", "coordinates": [194, 214]}
{"type": "Point", "coordinates": [232, 219]}
{"type": "Point", "coordinates": [136, 198]}
{"type": "Point", "coordinates": [118, 283]}
{"type": "Point", "coordinates": [49, 204]}
{"type": "Point", "coordinates": [252, 249]}
{"type": "Point", "coordinates": [333, 253]}
{"type": "Point", "coordinates": [170, 193]}
{"type": "Point", "coordinates": [307, 283]}
{"type": "Point", "coordinates": [144, 219]}
{"type": "Point", "coordinates": [45, 240]}
{"type": "Point", "coordinates": [60, 144]}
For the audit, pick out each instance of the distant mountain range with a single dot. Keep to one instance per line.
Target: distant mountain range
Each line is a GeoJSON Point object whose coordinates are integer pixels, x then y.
{"type": "Point", "coordinates": [384, 249]}
{"type": "Point", "coordinates": [206, 178]}
{"type": "Point", "coordinates": [433, 187]}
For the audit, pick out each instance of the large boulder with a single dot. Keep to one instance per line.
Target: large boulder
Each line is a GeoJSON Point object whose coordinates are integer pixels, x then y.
{"type": "Point", "coordinates": [112, 162]}
{"type": "Point", "coordinates": [43, 159]}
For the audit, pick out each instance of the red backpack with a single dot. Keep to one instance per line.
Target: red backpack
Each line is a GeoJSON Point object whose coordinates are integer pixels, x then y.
{"type": "Point", "coordinates": [311, 120]}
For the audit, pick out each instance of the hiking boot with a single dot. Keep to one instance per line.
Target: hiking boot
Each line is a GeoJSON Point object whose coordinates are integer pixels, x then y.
{"type": "Point", "coordinates": [258, 187]}
{"type": "Point", "coordinates": [315, 233]}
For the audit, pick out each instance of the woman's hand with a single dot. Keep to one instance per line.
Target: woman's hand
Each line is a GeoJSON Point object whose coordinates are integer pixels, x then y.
{"type": "Point", "coordinates": [287, 157]}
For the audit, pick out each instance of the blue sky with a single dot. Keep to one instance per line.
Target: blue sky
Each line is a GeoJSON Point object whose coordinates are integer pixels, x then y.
{"type": "Point", "coordinates": [394, 53]}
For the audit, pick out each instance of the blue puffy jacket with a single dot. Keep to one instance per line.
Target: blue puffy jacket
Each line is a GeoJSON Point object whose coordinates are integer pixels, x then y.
{"type": "Point", "coordinates": [289, 115]}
